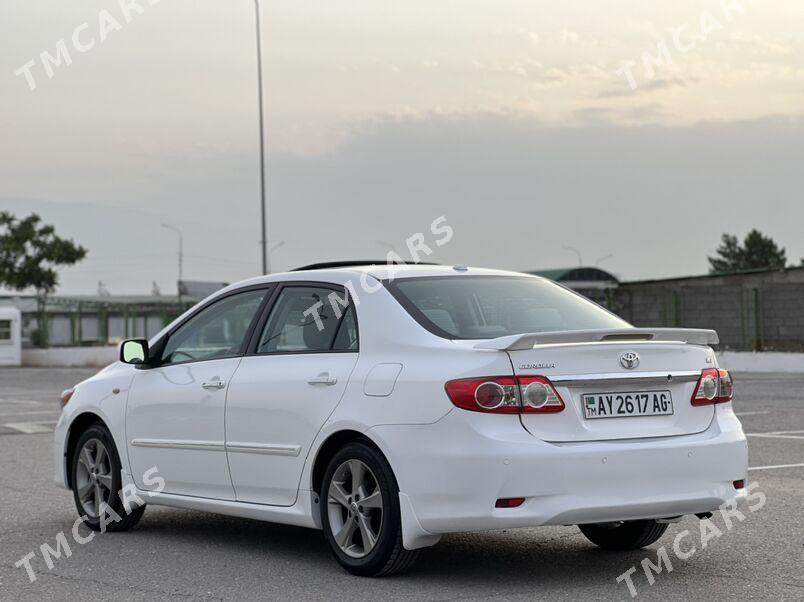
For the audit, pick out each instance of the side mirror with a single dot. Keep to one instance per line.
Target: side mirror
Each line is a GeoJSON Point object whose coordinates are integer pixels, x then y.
{"type": "Point", "coordinates": [134, 351]}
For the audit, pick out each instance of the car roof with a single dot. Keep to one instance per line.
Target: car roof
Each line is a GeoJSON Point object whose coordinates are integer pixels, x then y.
{"type": "Point", "coordinates": [384, 272]}
{"type": "Point", "coordinates": [380, 272]}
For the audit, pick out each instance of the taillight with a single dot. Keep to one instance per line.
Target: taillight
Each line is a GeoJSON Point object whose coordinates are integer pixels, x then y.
{"type": "Point", "coordinates": [505, 395]}
{"type": "Point", "coordinates": [714, 386]}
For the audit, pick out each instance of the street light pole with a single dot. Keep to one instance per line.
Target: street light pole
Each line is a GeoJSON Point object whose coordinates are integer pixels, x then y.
{"type": "Point", "coordinates": [576, 251]}
{"type": "Point", "coordinates": [181, 256]}
{"type": "Point", "coordinates": [604, 258]}
{"type": "Point", "coordinates": [388, 245]}
{"type": "Point", "coordinates": [270, 252]}
{"type": "Point", "coordinates": [264, 239]}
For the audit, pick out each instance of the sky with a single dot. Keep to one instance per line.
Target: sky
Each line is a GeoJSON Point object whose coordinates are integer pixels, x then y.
{"type": "Point", "coordinates": [635, 132]}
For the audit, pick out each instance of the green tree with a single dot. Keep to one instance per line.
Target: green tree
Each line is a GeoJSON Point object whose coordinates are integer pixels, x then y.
{"type": "Point", "coordinates": [30, 253]}
{"type": "Point", "coordinates": [756, 252]}
{"type": "Point", "coordinates": [729, 255]}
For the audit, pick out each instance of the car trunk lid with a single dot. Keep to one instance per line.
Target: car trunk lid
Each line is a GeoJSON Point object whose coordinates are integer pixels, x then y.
{"type": "Point", "coordinates": [604, 367]}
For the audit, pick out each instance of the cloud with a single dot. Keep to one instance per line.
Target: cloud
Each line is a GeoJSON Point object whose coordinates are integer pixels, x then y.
{"type": "Point", "coordinates": [757, 45]}
{"type": "Point", "coordinates": [639, 114]}
{"type": "Point", "coordinates": [652, 86]}
{"type": "Point", "coordinates": [637, 192]}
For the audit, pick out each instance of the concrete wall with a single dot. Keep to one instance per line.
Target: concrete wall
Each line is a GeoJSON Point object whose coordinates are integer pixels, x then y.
{"type": "Point", "coordinates": [70, 356]}
{"type": "Point", "coordinates": [752, 311]}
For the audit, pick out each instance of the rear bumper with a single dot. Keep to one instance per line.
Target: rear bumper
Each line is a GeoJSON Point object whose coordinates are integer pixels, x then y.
{"type": "Point", "coordinates": [454, 470]}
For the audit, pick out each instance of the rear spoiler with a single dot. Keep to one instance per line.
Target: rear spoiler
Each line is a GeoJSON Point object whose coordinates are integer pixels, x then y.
{"type": "Point", "coordinates": [519, 342]}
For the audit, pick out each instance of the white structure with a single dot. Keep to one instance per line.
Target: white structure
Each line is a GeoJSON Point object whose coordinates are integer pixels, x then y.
{"type": "Point", "coordinates": [10, 336]}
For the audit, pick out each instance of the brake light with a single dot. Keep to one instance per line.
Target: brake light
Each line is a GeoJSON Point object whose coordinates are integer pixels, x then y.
{"type": "Point", "coordinates": [505, 395]}
{"type": "Point", "coordinates": [714, 386]}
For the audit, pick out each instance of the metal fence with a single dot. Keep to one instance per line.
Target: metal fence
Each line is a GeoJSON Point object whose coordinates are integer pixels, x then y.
{"type": "Point", "coordinates": [86, 321]}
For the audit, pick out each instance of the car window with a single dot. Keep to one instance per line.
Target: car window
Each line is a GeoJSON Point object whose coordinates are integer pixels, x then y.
{"type": "Point", "coordinates": [216, 331]}
{"type": "Point", "coordinates": [481, 307]}
{"type": "Point", "coordinates": [346, 338]}
{"type": "Point", "coordinates": [292, 326]}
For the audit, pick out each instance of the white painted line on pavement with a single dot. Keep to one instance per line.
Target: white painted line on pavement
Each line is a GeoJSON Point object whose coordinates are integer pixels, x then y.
{"type": "Point", "coordinates": [778, 435]}
{"type": "Point", "coordinates": [30, 428]}
{"type": "Point", "coordinates": [777, 466]}
{"type": "Point", "coordinates": [752, 413]}
{"type": "Point", "coordinates": [28, 413]}
{"type": "Point", "coordinates": [27, 402]}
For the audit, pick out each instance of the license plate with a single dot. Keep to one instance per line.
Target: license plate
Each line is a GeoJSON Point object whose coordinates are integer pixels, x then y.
{"type": "Point", "coordinates": [625, 405]}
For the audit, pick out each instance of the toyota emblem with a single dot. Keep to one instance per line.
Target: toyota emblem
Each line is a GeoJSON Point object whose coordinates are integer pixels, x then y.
{"type": "Point", "coordinates": [629, 360]}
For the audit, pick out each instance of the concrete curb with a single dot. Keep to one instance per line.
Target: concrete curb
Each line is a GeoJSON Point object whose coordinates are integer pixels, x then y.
{"type": "Point", "coordinates": [761, 361]}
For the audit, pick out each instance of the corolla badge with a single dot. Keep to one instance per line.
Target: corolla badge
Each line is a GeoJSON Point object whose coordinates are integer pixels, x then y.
{"type": "Point", "coordinates": [629, 360]}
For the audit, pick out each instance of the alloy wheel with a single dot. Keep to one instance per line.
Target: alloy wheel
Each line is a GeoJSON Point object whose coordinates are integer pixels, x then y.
{"type": "Point", "coordinates": [93, 477]}
{"type": "Point", "coordinates": [355, 508]}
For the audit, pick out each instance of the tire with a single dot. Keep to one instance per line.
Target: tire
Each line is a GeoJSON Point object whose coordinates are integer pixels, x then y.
{"type": "Point", "coordinates": [106, 482]}
{"type": "Point", "coordinates": [348, 524]}
{"type": "Point", "coordinates": [630, 535]}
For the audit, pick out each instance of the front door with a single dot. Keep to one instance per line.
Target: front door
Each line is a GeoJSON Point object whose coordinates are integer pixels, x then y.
{"type": "Point", "coordinates": [175, 412]}
{"type": "Point", "coordinates": [284, 391]}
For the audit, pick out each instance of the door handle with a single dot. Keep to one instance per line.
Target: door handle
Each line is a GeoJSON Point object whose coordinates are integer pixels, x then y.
{"type": "Point", "coordinates": [214, 385]}
{"type": "Point", "coordinates": [322, 379]}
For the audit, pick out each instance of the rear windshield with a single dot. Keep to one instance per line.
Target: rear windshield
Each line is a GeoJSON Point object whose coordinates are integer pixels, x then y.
{"type": "Point", "coordinates": [484, 307]}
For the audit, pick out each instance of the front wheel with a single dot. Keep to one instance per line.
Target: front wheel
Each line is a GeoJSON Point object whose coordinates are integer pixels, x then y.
{"type": "Point", "coordinates": [96, 483]}
{"type": "Point", "coordinates": [629, 535]}
{"type": "Point", "coordinates": [360, 513]}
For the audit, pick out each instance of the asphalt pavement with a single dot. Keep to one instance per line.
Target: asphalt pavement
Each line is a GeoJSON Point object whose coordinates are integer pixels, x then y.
{"type": "Point", "coordinates": [187, 555]}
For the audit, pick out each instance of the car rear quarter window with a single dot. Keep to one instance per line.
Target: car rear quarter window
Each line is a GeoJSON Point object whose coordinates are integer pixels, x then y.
{"type": "Point", "coordinates": [482, 307]}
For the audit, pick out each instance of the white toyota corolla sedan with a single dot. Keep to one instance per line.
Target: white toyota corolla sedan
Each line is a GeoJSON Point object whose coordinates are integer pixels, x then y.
{"type": "Point", "coordinates": [389, 405]}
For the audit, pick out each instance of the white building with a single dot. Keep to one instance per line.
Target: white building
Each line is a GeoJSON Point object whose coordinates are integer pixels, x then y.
{"type": "Point", "coordinates": [10, 336]}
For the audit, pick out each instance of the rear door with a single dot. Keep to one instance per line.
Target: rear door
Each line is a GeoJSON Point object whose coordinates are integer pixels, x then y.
{"type": "Point", "coordinates": [285, 389]}
{"type": "Point", "coordinates": [606, 400]}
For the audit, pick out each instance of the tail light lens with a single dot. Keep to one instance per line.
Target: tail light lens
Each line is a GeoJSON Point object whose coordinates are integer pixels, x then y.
{"type": "Point", "coordinates": [506, 395]}
{"type": "Point", "coordinates": [714, 386]}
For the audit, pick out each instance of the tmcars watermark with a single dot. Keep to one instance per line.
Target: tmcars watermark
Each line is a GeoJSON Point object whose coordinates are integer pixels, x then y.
{"type": "Point", "coordinates": [417, 247]}
{"type": "Point", "coordinates": [683, 39]}
{"type": "Point", "coordinates": [684, 542]}
{"type": "Point", "coordinates": [83, 39]}
{"type": "Point", "coordinates": [130, 500]}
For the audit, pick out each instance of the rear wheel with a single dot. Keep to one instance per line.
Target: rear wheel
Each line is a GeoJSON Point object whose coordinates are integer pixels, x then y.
{"type": "Point", "coordinates": [97, 484]}
{"type": "Point", "coordinates": [628, 535]}
{"type": "Point", "coordinates": [360, 513]}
